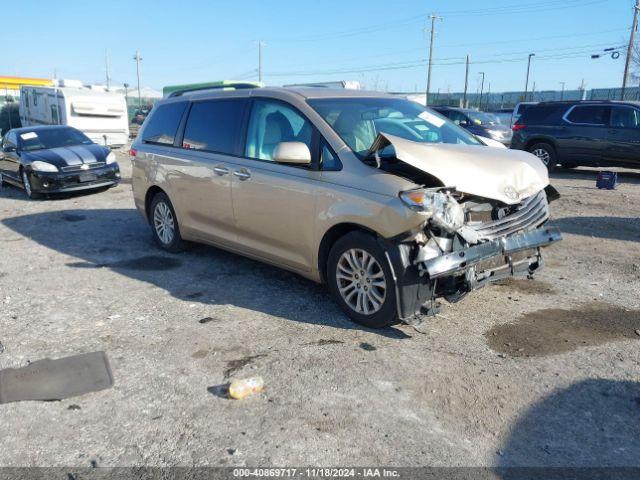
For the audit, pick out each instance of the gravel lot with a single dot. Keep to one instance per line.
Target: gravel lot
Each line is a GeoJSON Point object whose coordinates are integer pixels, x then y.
{"type": "Point", "coordinates": [543, 372]}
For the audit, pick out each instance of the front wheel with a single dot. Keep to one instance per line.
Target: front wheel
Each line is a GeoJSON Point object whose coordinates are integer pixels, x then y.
{"type": "Point", "coordinates": [26, 183]}
{"type": "Point", "coordinates": [546, 153]}
{"type": "Point", "coordinates": [360, 280]}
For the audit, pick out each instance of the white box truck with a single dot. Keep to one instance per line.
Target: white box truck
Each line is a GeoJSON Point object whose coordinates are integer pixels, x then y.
{"type": "Point", "coordinates": [99, 114]}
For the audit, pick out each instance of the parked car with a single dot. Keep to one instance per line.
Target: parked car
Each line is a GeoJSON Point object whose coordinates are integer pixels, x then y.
{"type": "Point", "coordinates": [581, 133]}
{"type": "Point", "coordinates": [389, 204]}
{"type": "Point", "coordinates": [478, 123]}
{"type": "Point", "coordinates": [54, 159]}
{"type": "Point", "coordinates": [504, 116]}
{"type": "Point", "coordinates": [519, 109]}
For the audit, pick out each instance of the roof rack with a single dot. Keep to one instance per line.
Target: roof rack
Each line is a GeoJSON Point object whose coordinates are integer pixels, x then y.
{"type": "Point", "coordinates": [227, 86]}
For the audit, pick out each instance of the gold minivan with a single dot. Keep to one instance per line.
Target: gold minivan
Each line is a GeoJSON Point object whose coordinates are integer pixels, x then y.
{"type": "Point", "coordinates": [388, 203]}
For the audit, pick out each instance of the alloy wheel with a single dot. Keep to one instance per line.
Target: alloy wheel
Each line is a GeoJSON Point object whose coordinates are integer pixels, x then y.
{"type": "Point", "coordinates": [543, 155]}
{"type": "Point", "coordinates": [164, 223]}
{"type": "Point", "coordinates": [361, 281]}
{"type": "Point", "coordinates": [26, 183]}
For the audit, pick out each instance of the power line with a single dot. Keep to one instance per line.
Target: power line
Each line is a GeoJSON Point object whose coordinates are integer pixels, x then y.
{"type": "Point", "coordinates": [571, 52]}
{"type": "Point", "coordinates": [506, 9]}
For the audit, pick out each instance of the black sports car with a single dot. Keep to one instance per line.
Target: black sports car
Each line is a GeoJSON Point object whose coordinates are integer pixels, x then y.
{"type": "Point", "coordinates": [54, 159]}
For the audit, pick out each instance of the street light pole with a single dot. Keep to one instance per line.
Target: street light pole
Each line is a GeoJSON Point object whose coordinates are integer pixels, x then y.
{"type": "Point", "coordinates": [526, 85]}
{"type": "Point", "coordinates": [433, 31]}
{"type": "Point", "coordinates": [466, 84]}
{"type": "Point", "coordinates": [481, 91]}
{"type": "Point", "coordinates": [261, 44]}
{"type": "Point", "coordinates": [562, 91]}
{"type": "Point", "coordinates": [138, 59]}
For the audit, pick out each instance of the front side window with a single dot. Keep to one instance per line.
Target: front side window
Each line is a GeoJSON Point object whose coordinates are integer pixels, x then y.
{"type": "Point", "coordinates": [358, 121]}
{"type": "Point", "coordinates": [163, 124]}
{"type": "Point", "coordinates": [214, 125]}
{"type": "Point", "coordinates": [457, 117]}
{"type": "Point", "coordinates": [329, 161]}
{"type": "Point", "coordinates": [588, 115]}
{"type": "Point", "coordinates": [273, 122]}
{"type": "Point", "coordinates": [52, 138]}
{"type": "Point", "coordinates": [625, 117]}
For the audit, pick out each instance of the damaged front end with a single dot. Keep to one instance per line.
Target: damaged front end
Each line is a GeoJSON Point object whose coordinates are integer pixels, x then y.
{"type": "Point", "coordinates": [466, 241]}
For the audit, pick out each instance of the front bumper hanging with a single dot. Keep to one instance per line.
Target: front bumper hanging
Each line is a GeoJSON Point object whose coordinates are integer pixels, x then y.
{"type": "Point", "coordinates": [420, 280]}
{"type": "Point", "coordinates": [457, 262]}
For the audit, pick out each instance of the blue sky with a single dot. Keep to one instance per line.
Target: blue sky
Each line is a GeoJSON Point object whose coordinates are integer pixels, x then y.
{"type": "Point", "coordinates": [380, 43]}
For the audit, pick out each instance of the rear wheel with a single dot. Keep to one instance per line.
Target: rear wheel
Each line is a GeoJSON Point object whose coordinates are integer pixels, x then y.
{"type": "Point", "coordinates": [546, 153]}
{"type": "Point", "coordinates": [164, 224]}
{"type": "Point", "coordinates": [360, 280]}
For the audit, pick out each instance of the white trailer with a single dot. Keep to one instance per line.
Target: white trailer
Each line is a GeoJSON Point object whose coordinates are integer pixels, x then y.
{"type": "Point", "coordinates": [100, 114]}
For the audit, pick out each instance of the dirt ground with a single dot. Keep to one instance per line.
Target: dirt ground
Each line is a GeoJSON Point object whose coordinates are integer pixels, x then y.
{"type": "Point", "coordinates": [543, 372]}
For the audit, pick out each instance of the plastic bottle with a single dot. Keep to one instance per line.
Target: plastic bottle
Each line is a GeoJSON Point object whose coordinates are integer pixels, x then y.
{"type": "Point", "coordinates": [245, 387]}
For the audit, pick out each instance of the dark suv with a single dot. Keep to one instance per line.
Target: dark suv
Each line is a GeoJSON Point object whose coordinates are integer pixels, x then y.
{"type": "Point", "coordinates": [586, 133]}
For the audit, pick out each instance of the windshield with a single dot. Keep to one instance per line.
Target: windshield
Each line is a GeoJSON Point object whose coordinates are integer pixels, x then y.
{"type": "Point", "coordinates": [480, 118]}
{"type": "Point", "coordinates": [358, 121]}
{"type": "Point", "coordinates": [53, 138]}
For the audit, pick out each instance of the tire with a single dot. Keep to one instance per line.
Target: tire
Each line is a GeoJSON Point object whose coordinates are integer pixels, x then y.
{"type": "Point", "coordinates": [546, 153]}
{"type": "Point", "coordinates": [26, 184]}
{"type": "Point", "coordinates": [362, 298]}
{"type": "Point", "coordinates": [164, 224]}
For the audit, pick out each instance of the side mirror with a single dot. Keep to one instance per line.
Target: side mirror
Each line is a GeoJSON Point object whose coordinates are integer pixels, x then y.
{"type": "Point", "coordinates": [292, 153]}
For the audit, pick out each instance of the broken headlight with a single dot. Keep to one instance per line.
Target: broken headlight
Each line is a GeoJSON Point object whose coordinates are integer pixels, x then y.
{"type": "Point", "coordinates": [443, 209]}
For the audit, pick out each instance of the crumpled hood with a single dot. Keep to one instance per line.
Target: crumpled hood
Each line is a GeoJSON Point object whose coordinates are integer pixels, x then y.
{"type": "Point", "coordinates": [499, 174]}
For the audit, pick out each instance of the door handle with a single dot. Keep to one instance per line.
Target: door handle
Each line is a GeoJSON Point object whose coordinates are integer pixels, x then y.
{"type": "Point", "coordinates": [242, 174]}
{"type": "Point", "coordinates": [220, 170]}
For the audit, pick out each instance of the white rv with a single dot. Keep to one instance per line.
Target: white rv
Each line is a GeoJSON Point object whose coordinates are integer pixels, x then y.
{"type": "Point", "coordinates": [99, 114]}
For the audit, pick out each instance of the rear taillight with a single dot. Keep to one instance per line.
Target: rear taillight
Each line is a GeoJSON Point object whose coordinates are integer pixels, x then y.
{"type": "Point", "coordinates": [133, 152]}
{"type": "Point", "coordinates": [518, 126]}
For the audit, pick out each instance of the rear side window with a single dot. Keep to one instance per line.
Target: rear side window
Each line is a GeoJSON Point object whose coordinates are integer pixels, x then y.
{"type": "Point", "coordinates": [214, 126]}
{"type": "Point", "coordinates": [625, 117]}
{"type": "Point", "coordinates": [542, 115]}
{"type": "Point", "coordinates": [162, 125]}
{"type": "Point", "coordinates": [588, 115]}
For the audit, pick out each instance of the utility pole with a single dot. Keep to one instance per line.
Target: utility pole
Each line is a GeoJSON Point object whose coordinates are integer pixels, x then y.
{"type": "Point", "coordinates": [433, 31]}
{"type": "Point", "coordinates": [583, 90]}
{"type": "Point", "coordinates": [138, 59]}
{"type": "Point", "coordinates": [466, 85]}
{"type": "Point", "coordinates": [106, 63]}
{"type": "Point", "coordinates": [630, 48]}
{"type": "Point", "coordinates": [562, 91]}
{"type": "Point", "coordinates": [526, 85]}
{"type": "Point", "coordinates": [481, 91]}
{"type": "Point", "coordinates": [261, 44]}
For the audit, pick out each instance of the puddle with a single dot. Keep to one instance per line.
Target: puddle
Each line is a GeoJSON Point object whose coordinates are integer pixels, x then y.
{"type": "Point", "coordinates": [367, 347]}
{"type": "Point", "coordinates": [533, 287]}
{"type": "Point", "coordinates": [553, 331]}
{"type": "Point", "coordinates": [208, 319]}
{"type": "Point", "coordinates": [234, 365]}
